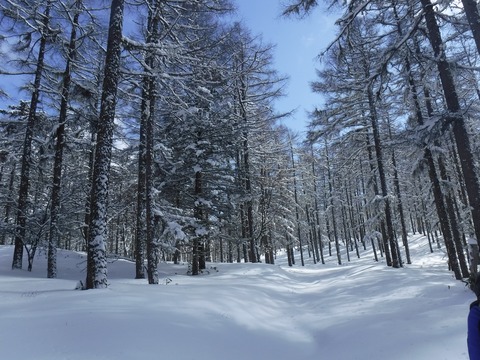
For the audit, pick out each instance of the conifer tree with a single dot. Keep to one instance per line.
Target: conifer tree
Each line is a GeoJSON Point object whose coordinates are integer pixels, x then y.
{"type": "Point", "coordinates": [96, 251]}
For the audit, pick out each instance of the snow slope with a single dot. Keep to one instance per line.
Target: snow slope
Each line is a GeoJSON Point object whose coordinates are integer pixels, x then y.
{"type": "Point", "coordinates": [359, 310]}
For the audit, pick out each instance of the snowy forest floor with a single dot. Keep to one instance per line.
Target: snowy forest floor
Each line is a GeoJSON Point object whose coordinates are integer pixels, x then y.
{"type": "Point", "coordinates": [358, 310]}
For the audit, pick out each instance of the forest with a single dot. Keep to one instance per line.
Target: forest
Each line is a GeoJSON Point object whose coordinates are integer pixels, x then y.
{"type": "Point", "coordinates": [147, 130]}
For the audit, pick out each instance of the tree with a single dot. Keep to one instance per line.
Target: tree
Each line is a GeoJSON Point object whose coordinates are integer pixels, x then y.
{"type": "Point", "coordinates": [59, 148]}
{"type": "Point", "coordinates": [96, 253]}
{"type": "Point", "coordinates": [21, 212]}
{"type": "Point", "coordinates": [455, 117]}
{"type": "Point", "coordinates": [256, 85]}
{"type": "Point", "coordinates": [472, 13]}
{"type": "Point", "coordinates": [355, 107]}
{"type": "Point", "coordinates": [399, 38]}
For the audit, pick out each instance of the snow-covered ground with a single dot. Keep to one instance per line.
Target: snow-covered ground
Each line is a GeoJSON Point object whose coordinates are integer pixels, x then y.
{"type": "Point", "coordinates": [359, 310]}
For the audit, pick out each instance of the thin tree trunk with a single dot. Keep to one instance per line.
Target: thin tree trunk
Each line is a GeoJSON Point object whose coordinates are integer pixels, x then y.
{"type": "Point", "coordinates": [21, 215]}
{"type": "Point", "coordinates": [332, 205]}
{"type": "Point", "coordinates": [8, 204]}
{"type": "Point", "coordinates": [152, 256]}
{"type": "Point", "coordinates": [376, 192]}
{"type": "Point", "coordinates": [242, 99]}
{"type": "Point", "coordinates": [297, 205]}
{"type": "Point", "coordinates": [152, 250]}
{"type": "Point", "coordinates": [436, 188]}
{"type": "Point", "coordinates": [198, 213]}
{"type": "Point", "coordinates": [396, 261]}
{"type": "Point", "coordinates": [348, 194]}
{"type": "Point", "coordinates": [450, 208]}
{"type": "Point", "coordinates": [58, 162]}
{"type": "Point", "coordinates": [318, 229]}
{"type": "Point", "coordinates": [141, 231]}
{"type": "Point", "coordinates": [398, 193]}
{"type": "Point", "coordinates": [289, 254]}
{"type": "Point", "coordinates": [346, 235]}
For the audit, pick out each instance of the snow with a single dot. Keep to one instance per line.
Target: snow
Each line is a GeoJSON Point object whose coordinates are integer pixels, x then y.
{"type": "Point", "coordinates": [359, 310]}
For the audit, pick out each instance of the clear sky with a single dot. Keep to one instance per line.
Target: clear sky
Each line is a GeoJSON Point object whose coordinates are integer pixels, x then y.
{"type": "Point", "coordinates": [298, 43]}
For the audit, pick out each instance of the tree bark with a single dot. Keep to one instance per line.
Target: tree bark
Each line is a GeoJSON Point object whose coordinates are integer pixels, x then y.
{"type": "Point", "coordinates": [297, 205]}
{"type": "Point", "coordinates": [21, 215]}
{"type": "Point", "coordinates": [436, 188]}
{"type": "Point", "coordinates": [318, 229]}
{"type": "Point", "coordinates": [152, 256]}
{"type": "Point", "coordinates": [59, 146]}
{"type": "Point", "coordinates": [242, 99]}
{"type": "Point", "coordinates": [8, 204]}
{"type": "Point", "coordinates": [396, 261]}
{"type": "Point", "coordinates": [96, 253]}
{"type": "Point", "coordinates": [450, 207]}
{"type": "Point", "coordinates": [398, 193]}
{"type": "Point", "coordinates": [388, 257]}
{"type": "Point", "coordinates": [473, 16]}
{"type": "Point", "coordinates": [141, 231]}
{"type": "Point", "coordinates": [152, 248]}
{"type": "Point", "coordinates": [332, 205]}
{"type": "Point", "coordinates": [198, 213]}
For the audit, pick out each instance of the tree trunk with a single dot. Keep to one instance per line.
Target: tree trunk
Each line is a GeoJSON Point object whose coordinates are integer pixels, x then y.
{"type": "Point", "coordinates": [60, 144]}
{"type": "Point", "coordinates": [242, 99]}
{"type": "Point", "coordinates": [152, 256]}
{"type": "Point", "coordinates": [437, 191]}
{"type": "Point", "coordinates": [21, 216]}
{"type": "Point", "coordinates": [152, 248]}
{"type": "Point", "coordinates": [473, 16]}
{"type": "Point", "coordinates": [8, 204]}
{"type": "Point", "coordinates": [349, 195]}
{"type": "Point", "coordinates": [346, 235]}
{"type": "Point", "coordinates": [96, 254]}
{"type": "Point", "coordinates": [198, 213]}
{"type": "Point", "coordinates": [141, 231]}
{"type": "Point", "coordinates": [318, 229]}
{"type": "Point", "coordinates": [396, 261]}
{"type": "Point", "coordinates": [332, 205]}
{"type": "Point", "coordinates": [398, 193]}
{"type": "Point", "coordinates": [450, 207]}
{"type": "Point", "coordinates": [376, 192]}
{"type": "Point", "coordinates": [297, 205]}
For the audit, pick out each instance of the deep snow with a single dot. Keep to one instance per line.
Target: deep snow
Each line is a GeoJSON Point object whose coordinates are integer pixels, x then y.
{"type": "Point", "coordinates": [359, 310]}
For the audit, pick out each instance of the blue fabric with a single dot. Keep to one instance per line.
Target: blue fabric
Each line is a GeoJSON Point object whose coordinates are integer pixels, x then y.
{"type": "Point", "coordinates": [473, 339]}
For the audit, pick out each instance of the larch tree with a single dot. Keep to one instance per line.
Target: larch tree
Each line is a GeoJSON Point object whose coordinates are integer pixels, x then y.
{"type": "Point", "coordinates": [96, 252]}
{"type": "Point", "coordinates": [455, 116]}
{"type": "Point", "coordinates": [355, 108]}
{"type": "Point", "coordinates": [415, 17]}
{"type": "Point", "coordinates": [20, 13]}
{"type": "Point", "coordinates": [255, 86]}
{"type": "Point", "coordinates": [60, 145]}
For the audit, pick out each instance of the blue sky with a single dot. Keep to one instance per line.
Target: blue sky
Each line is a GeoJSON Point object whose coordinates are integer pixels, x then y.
{"type": "Point", "coordinates": [298, 43]}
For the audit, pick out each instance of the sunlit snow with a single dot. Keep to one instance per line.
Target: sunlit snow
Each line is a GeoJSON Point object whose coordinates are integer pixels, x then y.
{"type": "Point", "coordinates": [359, 310]}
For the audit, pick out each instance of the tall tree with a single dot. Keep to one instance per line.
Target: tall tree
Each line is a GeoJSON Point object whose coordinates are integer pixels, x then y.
{"type": "Point", "coordinates": [21, 213]}
{"type": "Point", "coordinates": [455, 117]}
{"type": "Point", "coordinates": [96, 252]}
{"type": "Point", "coordinates": [473, 16]}
{"type": "Point", "coordinates": [59, 148]}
